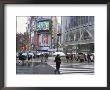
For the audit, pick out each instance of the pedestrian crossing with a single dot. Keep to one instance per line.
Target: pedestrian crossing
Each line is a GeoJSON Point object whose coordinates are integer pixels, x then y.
{"type": "Point", "coordinates": [65, 68]}
{"type": "Point", "coordinates": [69, 69]}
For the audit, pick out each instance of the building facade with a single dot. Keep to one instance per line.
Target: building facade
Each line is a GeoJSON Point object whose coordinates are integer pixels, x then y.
{"type": "Point", "coordinates": [42, 30]}
{"type": "Point", "coordinates": [78, 34]}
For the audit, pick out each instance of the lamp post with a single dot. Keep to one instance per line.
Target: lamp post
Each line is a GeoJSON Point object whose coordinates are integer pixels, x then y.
{"type": "Point", "coordinates": [59, 34]}
{"type": "Point", "coordinates": [65, 46]}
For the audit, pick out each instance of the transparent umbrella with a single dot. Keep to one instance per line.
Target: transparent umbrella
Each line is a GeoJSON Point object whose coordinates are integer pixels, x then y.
{"type": "Point", "coordinates": [31, 54]}
{"type": "Point", "coordinates": [25, 54]}
{"type": "Point", "coordinates": [60, 53]}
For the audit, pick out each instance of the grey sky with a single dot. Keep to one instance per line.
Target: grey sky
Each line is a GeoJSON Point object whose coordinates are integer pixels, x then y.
{"type": "Point", "coordinates": [21, 24]}
{"type": "Point", "coordinates": [59, 19]}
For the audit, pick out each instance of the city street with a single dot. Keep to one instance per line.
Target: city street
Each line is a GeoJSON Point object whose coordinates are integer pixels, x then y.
{"type": "Point", "coordinates": [48, 67]}
{"type": "Point", "coordinates": [68, 37]}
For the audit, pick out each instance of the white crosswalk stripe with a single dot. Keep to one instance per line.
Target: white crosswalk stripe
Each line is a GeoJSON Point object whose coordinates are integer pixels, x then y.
{"type": "Point", "coordinates": [75, 69]}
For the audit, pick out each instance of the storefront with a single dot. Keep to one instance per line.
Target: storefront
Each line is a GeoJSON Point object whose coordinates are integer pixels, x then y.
{"type": "Point", "coordinates": [79, 48]}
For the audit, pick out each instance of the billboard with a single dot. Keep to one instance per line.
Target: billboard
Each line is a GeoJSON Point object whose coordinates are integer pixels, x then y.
{"type": "Point", "coordinates": [36, 40]}
{"type": "Point", "coordinates": [45, 39]}
{"type": "Point", "coordinates": [43, 25]}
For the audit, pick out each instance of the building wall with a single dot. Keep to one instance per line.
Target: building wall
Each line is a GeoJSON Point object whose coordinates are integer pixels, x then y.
{"type": "Point", "coordinates": [78, 30]}
{"type": "Point", "coordinates": [65, 20]}
{"type": "Point", "coordinates": [52, 36]}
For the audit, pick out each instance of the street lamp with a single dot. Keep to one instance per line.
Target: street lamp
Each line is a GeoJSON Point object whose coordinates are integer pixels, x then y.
{"type": "Point", "coordinates": [65, 46]}
{"type": "Point", "coordinates": [59, 34]}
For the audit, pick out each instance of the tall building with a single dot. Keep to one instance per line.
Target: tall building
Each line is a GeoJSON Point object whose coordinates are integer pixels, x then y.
{"type": "Point", "coordinates": [31, 27]}
{"type": "Point", "coordinates": [54, 32]}
{"type": "Point", "coordinates": [59, 36]}
{"type": "Point", "coordinates": [42, 30]}
{"type": "Point", "coordinates": [78, 33]}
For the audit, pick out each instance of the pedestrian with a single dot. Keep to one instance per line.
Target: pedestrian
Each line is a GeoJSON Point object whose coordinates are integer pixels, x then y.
{"type": "Point", "coordinates": [42, 56]}
{"type": "Point", "coordinates": [85, 57]}
{"type": "Point", "coordinates": [58, 62]}
{"type": "Point", "coordinates": [92, 58]}
{"type": "Point", "coordinates": [82, 57]}
{"type": "Point", "coordinates": [29, 56]}
{"type": "Point", "coordinates": [74, 58]}
{"type": "Point", "coordinates": [77, 57]}
{"type": "Point", "coordinates": [34, 56]}
{"type": "Point", "coordinates": [71, 56]}
{"type": "Point", "coordinates": [46, 57]}
{"type": "Point", "coordinates": [88, 58]}
{"type": "Point", "coordinates": [67, 57]}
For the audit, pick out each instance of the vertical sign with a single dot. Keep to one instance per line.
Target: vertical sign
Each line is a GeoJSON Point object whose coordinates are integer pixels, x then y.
{"type": "Point", "coordinates": [36, 40]}
{"type": "Point", "coordinates": [45, 39]}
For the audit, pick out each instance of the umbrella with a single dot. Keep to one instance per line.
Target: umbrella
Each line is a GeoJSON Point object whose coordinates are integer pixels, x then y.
{"type": "Point", "coordinates": [25, 54]}
{"type": "Point", "coordinates": [60, 53]}
{"type": "Point", "coordinates": [38, 53]}
{"type": "Point", "coordinates": [31, 54]}
{"type": "Point", "coordinates": [68, 53]}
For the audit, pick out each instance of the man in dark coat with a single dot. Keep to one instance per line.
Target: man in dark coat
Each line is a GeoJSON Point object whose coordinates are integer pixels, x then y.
{"type": "Point", "coordinates": [58, 62]}
{"type": "Point", "coordinates": [88, 57]}
{"type": "Point", "coordinates": [67, 57]}
{"type": "Point", "coordinates": [71, 56]}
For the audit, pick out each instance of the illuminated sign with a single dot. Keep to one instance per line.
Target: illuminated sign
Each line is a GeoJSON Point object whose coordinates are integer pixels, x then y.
{"type": "Point", "coordinates": [43, 25]}
{"type": "Point", "coordinates": [45, 39]}
{"type": "Point", "coordinates": [36, 39]}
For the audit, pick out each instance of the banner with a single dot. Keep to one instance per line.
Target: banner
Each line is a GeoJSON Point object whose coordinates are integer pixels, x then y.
{"type": "Point", "coordinates": [36, 40]}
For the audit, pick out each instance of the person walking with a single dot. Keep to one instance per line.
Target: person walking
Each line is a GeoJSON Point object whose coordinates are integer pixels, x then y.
{"type": "Point", "coordinates": [67, 57]}
{"type": "Point", "coordinates": [58, 62]}
{"type": "Point", "coordinates": [71, 56]}
{"type": "Point", "coordinates": [81, 57]}
{"type": "Point", "coordinates": [46, 57]}
{"type": "Point", "coordinates": [88, 57]}
{"type": "Point", "coordinates": [42, 57]}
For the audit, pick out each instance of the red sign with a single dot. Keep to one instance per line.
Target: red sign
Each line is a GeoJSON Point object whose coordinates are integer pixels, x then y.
{"type": "Point", "coordinates": [36, 40]}
{"type": "Point", "coordinates": [45, 39]}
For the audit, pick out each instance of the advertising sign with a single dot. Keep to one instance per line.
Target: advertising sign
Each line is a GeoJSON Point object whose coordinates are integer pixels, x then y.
{"type": "Point", "coordinates": [43, 25]}
{"type": "Point", "coordinates": [45, 39]}
{"type": "Point", "coordinates": [36, 40]}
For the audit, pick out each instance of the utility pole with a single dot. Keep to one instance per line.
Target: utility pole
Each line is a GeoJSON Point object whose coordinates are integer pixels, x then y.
{"type": "Point", "coordinates": [59, 34]}
{"type": "Point", "coordinates": [57, 42]}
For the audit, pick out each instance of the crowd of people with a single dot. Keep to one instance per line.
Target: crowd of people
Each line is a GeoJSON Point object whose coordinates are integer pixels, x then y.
{"type": "Point", "coordinates": [29, 56]}
{"type": "Point", "coordinates": [24, 57]}
{"type": "Point", "coordinates": [81, 57]}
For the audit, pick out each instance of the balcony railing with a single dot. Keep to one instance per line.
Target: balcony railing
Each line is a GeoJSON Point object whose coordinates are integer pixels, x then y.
{"type": "Point", "coordinates": [79, 42]}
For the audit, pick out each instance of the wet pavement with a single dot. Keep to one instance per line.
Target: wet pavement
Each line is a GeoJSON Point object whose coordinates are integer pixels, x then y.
{"type": "Point", "coordinates": [38, 67]}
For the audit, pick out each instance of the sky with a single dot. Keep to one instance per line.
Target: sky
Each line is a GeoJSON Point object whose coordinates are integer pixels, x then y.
{"type": "Point", "coordinates": [21, 23]}
{"type": "Point", "coordinates": [59, 19]}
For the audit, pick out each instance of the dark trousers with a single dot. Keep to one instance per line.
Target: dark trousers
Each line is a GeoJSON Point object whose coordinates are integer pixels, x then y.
{"type": "Point", "coordinates": [57, 66]}
{"type": "Point", "coordinates": [89, 60]}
